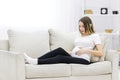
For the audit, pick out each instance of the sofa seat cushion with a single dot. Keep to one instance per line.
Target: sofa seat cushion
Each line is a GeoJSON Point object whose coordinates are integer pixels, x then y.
{"type": "Point", "coordinates": [98, 68]}
{"type": "Point", "coordinates": [47, 70]}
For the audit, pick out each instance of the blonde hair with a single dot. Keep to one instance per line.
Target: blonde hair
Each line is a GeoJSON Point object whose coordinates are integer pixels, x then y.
{"type": "Point", "coordinates": [88, 25]}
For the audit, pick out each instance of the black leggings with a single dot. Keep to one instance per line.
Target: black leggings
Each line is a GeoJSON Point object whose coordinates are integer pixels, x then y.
{"type": "Point", "coordinates": [59, 55]}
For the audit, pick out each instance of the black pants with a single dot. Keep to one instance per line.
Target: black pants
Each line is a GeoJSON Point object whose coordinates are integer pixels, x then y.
{"type": "Point", "coordinates": [59, 55]}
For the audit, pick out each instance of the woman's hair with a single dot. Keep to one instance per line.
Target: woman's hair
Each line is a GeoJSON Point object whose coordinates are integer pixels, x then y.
{"type": "Point", "coordinates": [88, 25]}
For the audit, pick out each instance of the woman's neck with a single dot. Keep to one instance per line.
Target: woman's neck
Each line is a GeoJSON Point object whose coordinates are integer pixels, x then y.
{"type": "Point", "coordinates": [85, 34]}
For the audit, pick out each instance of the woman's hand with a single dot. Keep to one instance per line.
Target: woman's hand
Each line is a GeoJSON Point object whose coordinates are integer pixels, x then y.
{"type": "Point", "coordinates": [81, 51]}
{"type": "Point", "coordinates": [69, 52]}
{"type": "Point", "coordinates": [98, 52]}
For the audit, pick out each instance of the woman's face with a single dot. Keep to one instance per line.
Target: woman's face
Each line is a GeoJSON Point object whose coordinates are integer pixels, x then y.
{"type": "Point", "coordinates": [81, 28]}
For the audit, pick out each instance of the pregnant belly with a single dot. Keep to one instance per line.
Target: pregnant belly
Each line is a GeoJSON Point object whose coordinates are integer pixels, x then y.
{"type": "Point", "coordinates": [83, 56]}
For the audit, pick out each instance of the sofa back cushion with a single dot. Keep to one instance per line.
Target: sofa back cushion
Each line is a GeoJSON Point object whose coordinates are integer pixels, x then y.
{"type": "Point", "coordinates": [66, 41]}
{"type": "Point", "coordinates": [61, 39]}
{"type": "Point", "coordinates": [34, 43]}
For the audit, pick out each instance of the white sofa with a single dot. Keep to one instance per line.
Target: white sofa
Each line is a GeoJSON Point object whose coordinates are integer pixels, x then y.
{"type": "Point", "coordinates": [13, 66]}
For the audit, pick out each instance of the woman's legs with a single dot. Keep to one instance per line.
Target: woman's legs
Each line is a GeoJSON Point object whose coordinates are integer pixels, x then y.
{"type": "Point", "coordinates": [62, 59]}
{"type": "Point", "coordinates": [55, 52]}
{"type": "Point", "coordinates": [51, 54]}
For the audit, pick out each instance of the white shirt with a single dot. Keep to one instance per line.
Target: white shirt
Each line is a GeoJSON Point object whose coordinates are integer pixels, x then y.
{"type": "Point", "coordinates": [86, 42]}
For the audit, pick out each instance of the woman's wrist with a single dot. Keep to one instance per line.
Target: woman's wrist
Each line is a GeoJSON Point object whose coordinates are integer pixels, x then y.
{"type": "Point", "coordinates": [89, 51]}
{"type": "Point", "coordinates": [77, 52]}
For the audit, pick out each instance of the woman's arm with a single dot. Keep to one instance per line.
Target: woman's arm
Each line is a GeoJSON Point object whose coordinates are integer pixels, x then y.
{"type": "Point", "coordinates": [97, 52]}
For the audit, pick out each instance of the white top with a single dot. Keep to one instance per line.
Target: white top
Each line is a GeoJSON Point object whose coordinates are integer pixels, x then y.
{"type": "Point", "coordinates": [86, 42]}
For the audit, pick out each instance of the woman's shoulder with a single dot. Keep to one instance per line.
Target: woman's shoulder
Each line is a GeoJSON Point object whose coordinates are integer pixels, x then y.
{"type": "Point", "coordinates": [95, 34]}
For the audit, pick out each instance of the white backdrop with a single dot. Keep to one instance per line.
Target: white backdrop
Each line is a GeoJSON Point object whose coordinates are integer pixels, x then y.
{"type": "Point", "coordinates": [38, 14]}
{"type": "Point", "coordinates": [43, 14]}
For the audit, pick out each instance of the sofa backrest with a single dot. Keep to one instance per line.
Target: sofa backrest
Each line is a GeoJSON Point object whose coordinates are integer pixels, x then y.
{"type": "Point", "coordinates": [34, 43]}
{"type": "Point", "coordinates": [61, 39]}
{"type": "Point", "coordinates": [4, 45]}
{"type": "Point", "coordinates": [37, 43]}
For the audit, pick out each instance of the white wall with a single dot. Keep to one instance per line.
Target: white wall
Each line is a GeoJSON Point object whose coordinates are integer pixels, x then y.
{"type": "Point", "coordinates": [60, 14]}
{"type": "Point", "coordinates": [38, 14]}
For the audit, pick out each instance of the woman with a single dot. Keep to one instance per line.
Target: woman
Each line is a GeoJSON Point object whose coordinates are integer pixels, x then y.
{"type": "Point", "coordinates": [82, 51]}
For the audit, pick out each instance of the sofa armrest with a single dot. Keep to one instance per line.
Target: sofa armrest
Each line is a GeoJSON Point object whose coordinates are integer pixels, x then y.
{"type": "Point", "coordinates": [12, 66]}
{"type": "Point", "coordinates": [113, 56]}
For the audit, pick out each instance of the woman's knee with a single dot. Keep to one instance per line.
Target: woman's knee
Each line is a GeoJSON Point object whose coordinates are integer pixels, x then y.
{"type": "Point", "coordinates": [60, 48]}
